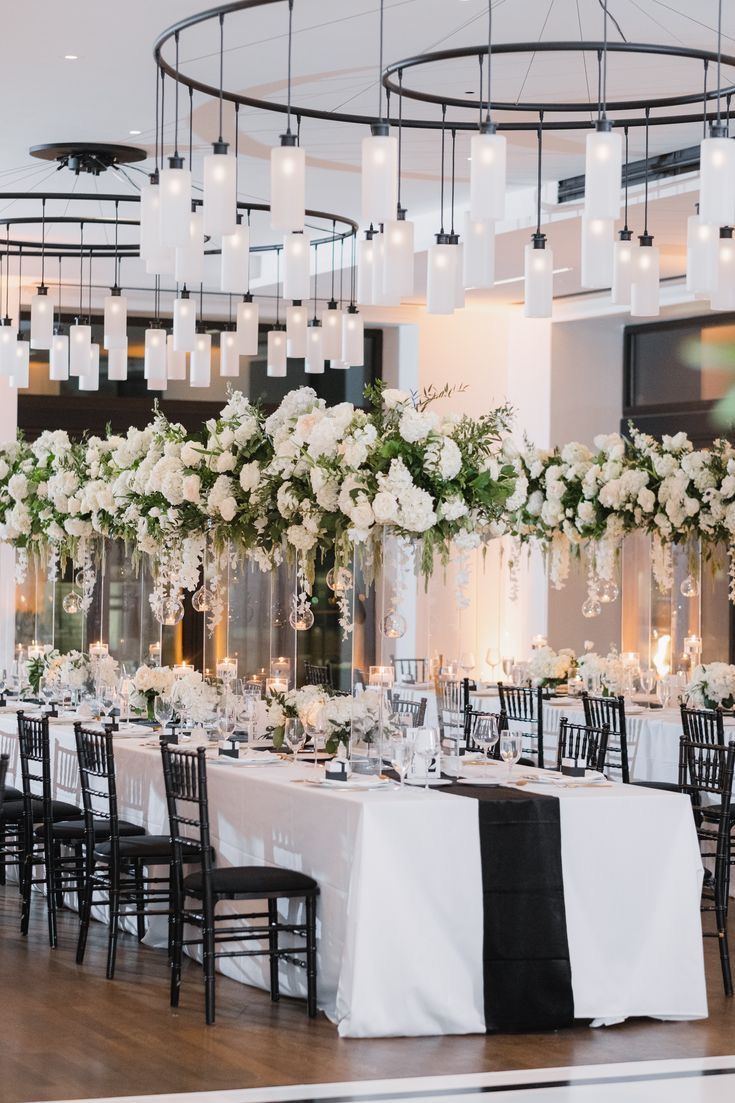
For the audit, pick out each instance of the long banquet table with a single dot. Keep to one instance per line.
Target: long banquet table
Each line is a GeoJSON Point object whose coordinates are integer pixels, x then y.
{"type": "Point", "coordinates": [400, 921]}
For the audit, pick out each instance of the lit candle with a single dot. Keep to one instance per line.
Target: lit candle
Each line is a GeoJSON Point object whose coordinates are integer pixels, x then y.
{"type": "Point", "coordinates": [98, 650]}
{"type": "Point", "coordinates": [538, 642]}
{"type": "Point", "coordinates": [381, 676]}
{"type": "Point", "coordinates": [275, 685]}
{"type": "Point", "coordinates": [182, 668]}
{"type": "Point", "coordinates": [36, 650]}
{"type": "Point", "coordinates": [154, 654]}
{"type": "Point", "coordinates": [281, 668]}
{"type": "Point", "coordinates": [227, 669]}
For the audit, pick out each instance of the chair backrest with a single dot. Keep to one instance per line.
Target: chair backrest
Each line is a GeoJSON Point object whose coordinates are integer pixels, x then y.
{"type": "Point", "coordinates": [4, 760]}
{"type": "Point", "coordinates": [414, 708]}
{"type": "Point", "coordinates": [409, 670]}
{"type": "Point", "coordinates": [35, 759]}
{"type": "Point", "coordinates": [96, 758]}
{"type": "Point", "coordinates": [317, 675]}
{"type": "Point", "coordinates": [703, 725]}
{"type": "Point", "coordinates": [451, 695]}
{"type": "Point", "coordinates": [525, 705]}
{"type": "Point", "coordinates": [582, 743]}
{"type": "Point", "coordinates": [600, 712]}
{"type": "Point", "coordinates": [185, 781]}
{"type": "Point", "coordinates": [706, 771]}
{"type": "Point", "coordinates": [474, 722]}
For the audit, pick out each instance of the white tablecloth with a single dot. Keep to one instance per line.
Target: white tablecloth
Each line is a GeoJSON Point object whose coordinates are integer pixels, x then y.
{"type": "Point", "coordinates": [400, 913]}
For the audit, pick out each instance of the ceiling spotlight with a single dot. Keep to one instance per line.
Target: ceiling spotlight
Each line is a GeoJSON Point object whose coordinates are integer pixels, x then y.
{"type": "Point", "coordinates": [71, 57]}
{"type": "Point", "coordinates": [134, 132]}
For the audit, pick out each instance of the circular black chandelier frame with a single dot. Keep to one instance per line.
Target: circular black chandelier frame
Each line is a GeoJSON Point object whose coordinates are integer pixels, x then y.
{"type": "Point", "coordinates": [396, 86]}
{"type": "Point", "coordinates": [25, 247]}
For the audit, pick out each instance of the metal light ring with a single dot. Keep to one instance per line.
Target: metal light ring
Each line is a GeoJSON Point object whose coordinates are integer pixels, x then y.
{"type": "Point", "coordinates": [464, 104]}
{"type": "Point", "coordinates": [551, 107]}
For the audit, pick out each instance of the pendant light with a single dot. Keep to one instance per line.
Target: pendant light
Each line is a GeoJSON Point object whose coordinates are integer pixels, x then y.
{"type": "Point", "coordinates": [717, 159]}
{"type": "Point", "coordinates": [174, 184]}
{"type": "Point", "coordinates": [538, 260]}
{"type": "Point", "coordinates": [366, 249]}
{"type": "Point", "coordinates": [229, 356]}
{"type": "Point", "coordinates": [723, 294]}
{"type": "Point", "coordinates": [220, 170]}
{"type": "Point", "coordinates": [80, 334]}
{"type": "Point", "coordinates": [331, 318]}
{"type": "Point", "coordinates": [276, 360]}
{"type": "Point", "coordinates": [479, 253]}
{"type": "Point", "coordinates": [200, 360]}
{"type": "Point", "coordinates": [150, 205]}
{"type": "Point", "coordinates": [89, 380]}
{"type": "Point", "coordinates": [314, 360]}
{"type": "Point", "coordinates": [459, 292]}
{"type": "Point", "coordinates": [117, 363]}
{"type": "Point", "coordinates": [8, 337]}
{"type": "Point", "coordinates": [58, 362]}
{"type": "Point", "coordinates": [379, 177]}
{"type": "Point", "coordinates": [189, 265]}
{"type": "Point", "coordinates": [398, 235]}
{"type": "Point", "coordinates": [353, 331]}
{"type": "Point", "coordinates": [644, 289]}
{"type": "Point", "coordinates": [295, 266]}
{"type": "Point", "coordinates": [247, 326]}
{"type": "Point", "coordinates": [19, 376]}
{"type": "Point", "coordinates": [487, 154]}
{"type": "Point", "coordinates": [154, 358]}
{"type": "Point", "coordinates": [296, 320]}
{"type": "Point", "coordinates": [42, 308]}
{"type": "Point", "coordinates": [703, 241]}
{"type": "Point", "coordinates": [379, 295]}
{"type": "Point", "coordinates": [235, 260]}
{"type": "Point", "coordinates": [184, 323]}
{"type": "Point", "coordinates": [175, 362]}
{"type": "Point", "coordinates": [288, 166]}
{"type": "Point", "coordinates": [598, 251]}
{"type": "Point", "coordinates": [623, 251]}
{"type": "Point", "coordinates": [604, 153]}
{"type": "Point", "coordinates": [441, 274]}
{"type": "Point", "coordinates": [115, 305]}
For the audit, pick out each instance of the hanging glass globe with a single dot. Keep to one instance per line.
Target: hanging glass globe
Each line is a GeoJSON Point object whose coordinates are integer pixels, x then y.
{"type": "Point", "coordinates": [394, 625]}
{"type": "Point", "coordinates": [690, 586]}
{"type": "Point", "coordinates": [607, 591]}
{"type": "Point", "coordinates": [72, 602]}
{"type": "Point", "coordinates": [79, 578]}
{"type": "Point", "coordinates": [202, 600]}
{"type": "Point", "coordinates": [339, 579]}
{"type": "Point", "coordinates": [171, 612]}
{"type": "Point", "coordinates": [591, 608]}
{"type": "Point", "coordinates": [301, 621]}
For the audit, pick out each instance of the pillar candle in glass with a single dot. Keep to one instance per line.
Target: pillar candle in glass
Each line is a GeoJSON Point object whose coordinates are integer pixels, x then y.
{"type": "Point", "coordinates": [227, 669]}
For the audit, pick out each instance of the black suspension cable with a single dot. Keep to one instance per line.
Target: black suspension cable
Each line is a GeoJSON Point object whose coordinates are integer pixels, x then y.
{"type": "Point", "coordinates": [704, 100]}
{"type": "Point", "coordinates": [454, 146]}
{"type": "Point", "coordinates": [158, 88]}
{"type": "Point", "coordinates": [7, 272]}
{"type": "Point", "coordinates": [278, 287]}
{"type": "Point", "coordinates": [489, 60]}
{"type": "Point", "coordinates": [81, 270]}
{"type": "Point", "coordinates": [163, 110]}
{"type": "Point", "coordinates": [191, 124]}
{"type": "Point", "coordinates": [353, 268]}
{"type": "Point", "coordinates": [89, 290]}
{"type": "Point", "coordinates": [625, 132]}
{"type": "Point", "coordinates": [334, 242]}
{"type": "Point", "coordinates": [604, 60]}
{"type": "Point", "coordinates": [444, 117]}
{"type": "Point", "coordinates": [176, 99]}
{"type": "Point", "coordinates": [341, 268]}
{"type": "Point", "coordinates": [59, 304]}
{"type": "Point", "coordinates": [288, 77]}
{"type": "Point", "coordinates": [719, 58]}
{"type": "Point", "coordinates": [237, 151]}
{"type": "Point", "coordinates": [645, 201]}
{"type": "Point", "coordinates": [43, 240]}
{"type": "Point", "coordinates": [316, 275]}
{"type": "Point", "coordinates": [117, 224]}
{"type": "Point", "coordinates": [480, 58]}
{"type": "Point", "coordinates": [599, 85]}
{"type": "Point", "coordinates": [380, 63]}
{"type": "Point", "coordinates": [20, 284]}
{"type": "Point", "coordinates": [538, 171]}
{"type": "Point", "coordinates": [400, 135]}
{"type": "Point", "coordinates": [221, 68]}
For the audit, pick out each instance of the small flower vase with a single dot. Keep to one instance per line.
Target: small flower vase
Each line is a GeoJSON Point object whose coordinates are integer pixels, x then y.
{"type": "Point", "coordinates": [150, 706]}
{"type": "Point", "coordinates": [365, 750]}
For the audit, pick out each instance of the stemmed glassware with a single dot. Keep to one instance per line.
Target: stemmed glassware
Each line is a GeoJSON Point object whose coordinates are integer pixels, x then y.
{"type": "Point", "coordinates": [648, 681]}
{"type": "Point", "coordinates": [508, 665]}
{"type": "Point", "coordinates": [510, 749]}
{"type": "Point", "coordinates": [426, 746]}
{"type": "Point", "coordinates": [487, 734]}
{"type": "Point", "coordinates": [401, 749]}
{"type": "Point", "coordinates": [163, 709]}
{"type": "Point", "coordinates": [316, 727]}
{"type": "Point", "coordinates": [294, 735]}
{"type": "Point", "coordinates": [663, 691]}
{"type": "Point", "coordinates": [467, 663]}
{"type": "Point", "coordinates": [48, 693]}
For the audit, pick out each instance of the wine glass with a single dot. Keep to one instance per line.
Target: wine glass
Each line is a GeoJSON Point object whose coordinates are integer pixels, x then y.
{"type": "Point", "coordinates": [648, 681]}
{"type": "Point", "coordinates": [48, 693]}
{"type": "Point", "coordinates": [3, 681]}
{"type": "Point", "coordinates": [226, 719]}
{"type": "Point", "coordinates": [508, 665]}
{"type": "Point", "coordinates": [426, 746]}
{"type": "Point", "coordinates": [316, 726]}
{"type": "Point", "coordinates": [467, 663]}
{"type": "Point", "coordinates": [663, 691]}
{"type": "Point", "coordinates": [163, 709]}
{"type": "Point", "coordinates": [510, 749]}
{"type": "Point", "coordinates": [401, 749]}
{"type": "Point", "coordinates": [294, 735]}
{"type": "Point", "coordinates": [487, 734]}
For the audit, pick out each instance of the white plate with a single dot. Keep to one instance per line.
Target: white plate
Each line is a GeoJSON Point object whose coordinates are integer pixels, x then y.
{"type": "Point", "coordinates": [635, 710]}
{"type": "Point", "coordinates": [353, 784]}
{"type": "Point", "coordinates": [434, 783]}
{"type": "Point", "coordinates": [252, 763]}
{"type": "Point", "coordinates": [493, 782]}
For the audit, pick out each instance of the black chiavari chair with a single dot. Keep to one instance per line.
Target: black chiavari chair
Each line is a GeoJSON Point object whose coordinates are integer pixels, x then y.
{"type": "Point", "coordinates": [451, 704]}
{"type": "Point", "coordinates": [582, 743]}
{"type": "Point", "coordinates": [11, 826]}
{"type": "Point", "coordinates": [524, 708]}
{"type": "Point", "coordinates": [116, 852]}
{"type": "Point", "coordinates": [409, 671]}
{"type": "Point", "coordinates": [600, 712]}
{"type": "Point", "coordinates": [706, 775]}
{"type": "Point", "coordinates": [315, 675]}
{"type": "Point", "coordinates": [185, 777]}
{"type": "Point", "coordinates": [416, 709]}
{"type": "Point", "coordinates": [4, 760]}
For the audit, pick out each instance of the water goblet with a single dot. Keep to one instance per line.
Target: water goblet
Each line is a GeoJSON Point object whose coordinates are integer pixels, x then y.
{"type": "Point", "coordinates": [316, 726]}
{"type": "Point", "coordinates": [508, 665]}
{"type": "Point", "coordinates": [648, 681]}
{"type": "Point", "coordinates": [663, 691]}
{"type": "Point", "coordinates": [401, 749]}
{"type": "Point", "coordinates": [163, 709]}
{"type": "Point", "coordinates": [294, 735]}
{"type": "Point", "coordinates": [426, 746]}
{"type": "Point", "coordinates": [510, 749]}
{"type": "Point", "coordinates": [487, 734]}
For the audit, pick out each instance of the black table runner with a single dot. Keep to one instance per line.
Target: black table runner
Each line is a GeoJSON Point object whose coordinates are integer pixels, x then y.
{"type": "Point", "coordinates": [527, 973]}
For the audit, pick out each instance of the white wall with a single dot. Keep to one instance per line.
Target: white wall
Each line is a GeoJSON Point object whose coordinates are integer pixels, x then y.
{"type": "Point", "coordinates": [8, 428]}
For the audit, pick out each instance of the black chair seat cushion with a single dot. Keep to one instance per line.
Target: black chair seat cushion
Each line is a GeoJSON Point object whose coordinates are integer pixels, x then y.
{"type": "Point", "coordinates": [712, 813]}
{"type": "Point", "coordinates": [253, 880]}
{"type": "Point", "coordinates": [60, 810]}
{"type": "Point", "coordinates": [74, 829]}
{"type": "Point", "coordinates": [11, 793]}
{"type": "Point", "coordinates": [664, 786]}
{"type": "Point", "coordinates": [146, 846]}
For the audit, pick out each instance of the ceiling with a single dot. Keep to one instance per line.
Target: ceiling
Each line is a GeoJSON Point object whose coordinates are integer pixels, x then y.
{"type": "Point", "coordinates": [108, 92]}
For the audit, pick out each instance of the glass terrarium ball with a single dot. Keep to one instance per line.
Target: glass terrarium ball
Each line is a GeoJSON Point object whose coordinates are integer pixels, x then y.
{"type": "Point", "coordinates": [301, 622]}
{"type": "Point", "coordinates": [339, 579]}
{"type": "Point", "coordinates": [394, 626]}
{"type": "Point", "coordinates": [607, 591]}
{"type": "Point", "coordinates": [690, 586]}
{"type": "Point", "coordinates": [72, 602]}
{"type": "Point", "coordinates": [79, 578]}
{"type": "Point", "coordinates": [202, 600]}
{"type": "Point", "coordinates": [172, 611]}
{"type": "Point", "coordinates": [591, 608]}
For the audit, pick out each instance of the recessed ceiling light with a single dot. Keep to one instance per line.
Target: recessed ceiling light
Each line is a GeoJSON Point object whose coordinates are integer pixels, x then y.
{"type": "Point", "coordinates": [71, 57]}
{"type": "Point", "coordinates": [134, 132]}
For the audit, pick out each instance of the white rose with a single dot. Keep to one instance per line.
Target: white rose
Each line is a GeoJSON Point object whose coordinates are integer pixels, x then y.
{"type": "Point", "coordinates": [191, 487]}
{"type": "Point", "coordinates": [250, 476]}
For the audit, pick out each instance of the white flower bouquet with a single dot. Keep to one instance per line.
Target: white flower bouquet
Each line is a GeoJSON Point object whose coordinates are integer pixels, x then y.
{"type": "Point", "coordinates": [712, 686]}
{"type": "Point", "coordinates": [547, 667]}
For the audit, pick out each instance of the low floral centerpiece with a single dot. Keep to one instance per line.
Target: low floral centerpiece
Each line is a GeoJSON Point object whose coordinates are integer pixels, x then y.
{"type": "Point", "coordinates": [712, 686]}
{"type": "Point", "coordinates": [551, 668]}
{"type": "Point", "coordinates": [148, 683]}
{"type": "Point", "coordinates": [344, 716]}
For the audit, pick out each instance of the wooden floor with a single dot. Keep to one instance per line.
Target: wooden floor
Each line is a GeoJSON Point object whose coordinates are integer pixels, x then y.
{"type": "Point", "coordinates": [66, 1032]}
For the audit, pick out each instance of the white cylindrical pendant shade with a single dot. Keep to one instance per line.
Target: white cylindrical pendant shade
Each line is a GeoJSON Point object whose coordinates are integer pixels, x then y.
{"type": "Point", "coordinates": [116, 322]}
{"type": "Point", "coordinates": [397, 269]}
{"type": "Point", "coordinates": [644, 289]}
{"type": "Point", "coordinates": [175, 361]}
{"type": "Point", "coordinates": [42, 321]}
{"type": "Point", "coordinates": [150, 221]}
{"type": "Point", "coordinates": [184, 334]}
{"type": "Point", "coordinates": [441, 279]}
{"type": "Point", "coordinates": [276, 354]}
{"type": "Point", "coordinates": [20, 374]}
{"type": "Point", "coordinates": [597, 249]}
{"type": "Point", "coordinates": [702, 255]}
{"type": "Point", "coordinates": [331, 320]}
{"type": "Point", "coordinates": [288, 188]}
{"type": "Point", "coordinates": [479, 253]}
{"type": "Point", "coordinates": [175, 207]}
{"type": "Point", "coordinates": [8, 341]}
{"type": "Point", "coordinates": [117, 363]}
{"type": "Point", "coordinates": [723, 294]}
{"type": "Point", "coordinates": [247, 328]}
{"type": "Point", "coordinates": [717, 181]}
{"type": "Point", "coordinates": [80, 342]}
{"type": "Point", "coordinates": [219, 196]}
{"type": "Point", "coordinates": [161, 263]}
{"type": "Point", "coordinates": [295, 266]}
{"type": "Point", "coordinates": [487, 177]}
{"type": "Point", "coordinates": [623, 255]}
{"type": "Point", "coordinates": [379, 179]}
{"type": "Point", "coordinates": [538, 282]}
{"type": "Point", "coordinates": [603, 171]}
{"type": "Point", "coordinates": [459, 295]}
{"type": "Point", "coordinates": [353, 340]}
{"type": "Point", "coordinates": [154, 357]}
{"type": "Point", "coordinates": [90, 379]}
{"type": "Point", "coordinates": [235, 261]}
{"type": "Point", "coordinates": [58, 362]}
{"type": "Point", "coordinates": [314, 361]}
{"type": "Point", "coordinates": [189, 267]}
{"type": "Point", "coordinates": [200, 361]}
{"type": "Point", "coordinates": [296, 320]}
{"type": "Point", "coordinates": [229, 355]}
{"type": "Point", "coordinates": [365, 265]}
